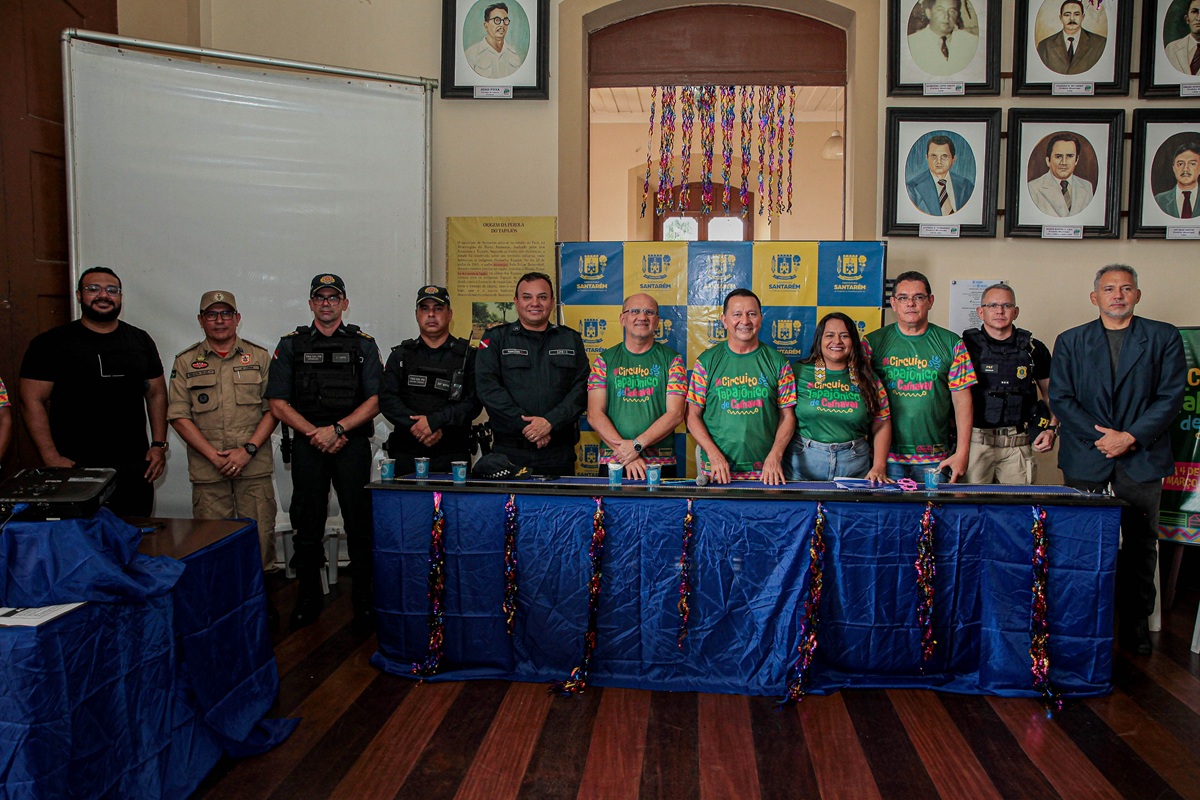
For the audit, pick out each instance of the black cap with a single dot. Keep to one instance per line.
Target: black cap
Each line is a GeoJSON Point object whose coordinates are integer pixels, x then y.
{"type": "Point", "coordinates": [327, 280]}
{"type": "Point", "coordinates": [432, 292]}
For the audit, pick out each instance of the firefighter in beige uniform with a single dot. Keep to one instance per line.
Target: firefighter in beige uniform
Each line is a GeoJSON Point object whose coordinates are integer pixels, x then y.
{"type": "Point", "coordinates": [217, 406]}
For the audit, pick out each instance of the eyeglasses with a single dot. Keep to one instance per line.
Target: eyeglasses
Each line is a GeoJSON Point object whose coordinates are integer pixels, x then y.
{"type": "Point", "coordinates": [903, 299]}
{"type": "Point", "coordinates": [994, 306]}
{"type": "Point", "coordinates": [500, 21]}
{"type": "Point", "coordinates": [213, 316]}
{"type": "Point", "coordinates": [327, 299]}
{"type": "Point", "coordinates": [641, 312]}
{"type": "Point", "coordinates": [95, 288]}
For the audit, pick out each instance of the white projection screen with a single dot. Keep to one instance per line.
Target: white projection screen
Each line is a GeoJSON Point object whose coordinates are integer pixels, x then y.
{"type": "Point", "coordinates": [188, 175]}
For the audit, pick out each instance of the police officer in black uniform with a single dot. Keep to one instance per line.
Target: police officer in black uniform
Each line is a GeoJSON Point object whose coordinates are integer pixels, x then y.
{"type": "Point", "coordinates": [324, 385]}
{"type": "Point", "coordinates": [428, 390]}
{"type": "Point", "coordinates": [532, 378]}
{"type": "Point", "coordinates": [1013, 368]}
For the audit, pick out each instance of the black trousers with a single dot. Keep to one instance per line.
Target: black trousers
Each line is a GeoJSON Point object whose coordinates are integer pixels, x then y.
{"type": "Point", "coordinates": [313, 472]}
{"type": "Point", "coordinates": [1139, 540]}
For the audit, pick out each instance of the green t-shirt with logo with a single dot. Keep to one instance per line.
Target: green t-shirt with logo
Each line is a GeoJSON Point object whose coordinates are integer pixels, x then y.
{"type": "Point", "coordinates": [833, 410]}
{"type": "Point", "coordinates": [637, 387]}
{"type": "Point", "coordinates": [741, 394]}
{"type": "Point", "coordinates": [919, 373]}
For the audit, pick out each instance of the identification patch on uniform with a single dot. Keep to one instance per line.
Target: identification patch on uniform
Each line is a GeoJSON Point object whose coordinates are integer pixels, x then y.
{"type": "Point", "coordinates": [418, 380]}
{"type": "Point", "coordinates": [562, 352]}
{"type": "Point", "coordinates": [202, 398]}
{"type": "Point", "coordinates": [314, 358]}
{"type": "Point", "coordinates": [250, 368]}
{"type": "Point", "coordinates": [513, 351]}
{"type": "Point", "coordinates": [200, 372]}
{"type": "Point", "coordinates": [1022, 372]}
{"type": "Point", "coordinates": [245, 358]}
{"type": "Point", "coordinates": [991, 368]}
{"type": "Point", "coordinates": [341, 358]}
{"type": "Point", "coordinates": [441, 384]}
{"type": "Point", "coordinates": [199, 364]}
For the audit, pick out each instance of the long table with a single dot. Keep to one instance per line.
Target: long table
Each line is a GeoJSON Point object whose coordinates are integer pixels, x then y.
{"type": "Point", "coordinates": [749, 578]}
{"type": "Point", "coordinates": [166, 667]}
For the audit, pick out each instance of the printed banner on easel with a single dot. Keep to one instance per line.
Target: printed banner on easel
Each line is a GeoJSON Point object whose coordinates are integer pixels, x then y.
{"type": "Point", "coordinates": [1179, 511]}
{"type": "Point", "coordinates": [797, 282]}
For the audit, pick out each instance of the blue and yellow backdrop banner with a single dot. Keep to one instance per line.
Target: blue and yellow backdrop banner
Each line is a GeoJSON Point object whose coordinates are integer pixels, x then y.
{"type": "Point", "coordinates": [798, 283]}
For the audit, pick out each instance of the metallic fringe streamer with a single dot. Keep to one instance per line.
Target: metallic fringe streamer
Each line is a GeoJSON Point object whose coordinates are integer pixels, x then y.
{"type": "Point", "coordinates": [707, 137]}
{"type": "Point", "coordinates": [510, 563]}
{"type": "Point", "coordinates": [688, 120]}
{"type": "Point", "coordinates": [1039, 624]}
{"type": "Point", "coordinates": [781, 120]}
{"type": "Point", "coordinates": [649, 150]}
{"type": "Point", "coordinates": [437, 591]}
{"type": "Point", "coordinates": [791, 142]}
{"type": "Point", "coordinates": [685, 583]}
{"type": "Point", "coordinates": [577, 682]}
{"type": "Point", "coordinates": [926, 570]}
{"type": "Point", "coordinates": [798, 677]}
{"type": "Point", "coordinates": [727, 116]}
{"type": "Point", "coordinates": [666, 133]}
{"type": "Point", "coordinates": [764, 113]}
{"type": "Point", "coordinates": [747, 132]}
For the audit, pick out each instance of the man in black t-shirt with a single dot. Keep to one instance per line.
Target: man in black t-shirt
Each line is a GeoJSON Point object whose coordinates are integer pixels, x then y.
{"type": "Point", "coordinates": [86, 388]}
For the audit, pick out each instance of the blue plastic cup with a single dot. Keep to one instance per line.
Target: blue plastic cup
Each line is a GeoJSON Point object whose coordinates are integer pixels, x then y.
{"type": "Point", "coordinates": [653, 475]}
{"type": "Point", "coordinates": [615, 473]}
{"type": "Point", "coordinates": [459, 470]}
{"type": "Point", "coordinates": [387, 469]}
{"type": "Point", "coordinates": [933, 476]}
{"type": "Point", "coordinates": [422, 468]}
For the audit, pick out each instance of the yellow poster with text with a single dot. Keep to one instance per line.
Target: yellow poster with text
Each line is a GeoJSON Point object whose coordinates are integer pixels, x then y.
{"type": "Point", "coordinates": [785, 273]}
{"type": "Point", "coordinates": [484, 258]}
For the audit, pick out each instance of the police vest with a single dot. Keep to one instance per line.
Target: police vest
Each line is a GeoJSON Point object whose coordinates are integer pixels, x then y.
{"type": "Point", "coordinates": [326, 372]}
{"type": "Point", "coordinates": [1005, 374]}
{"type": "Point", "coordinates": [427, 387]}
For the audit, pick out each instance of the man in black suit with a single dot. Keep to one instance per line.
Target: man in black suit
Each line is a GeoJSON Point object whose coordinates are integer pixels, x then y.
{"type": "Point", "coordinates": [1116, 385]}
{"type": "Point", "coordinates": [1073, 50]}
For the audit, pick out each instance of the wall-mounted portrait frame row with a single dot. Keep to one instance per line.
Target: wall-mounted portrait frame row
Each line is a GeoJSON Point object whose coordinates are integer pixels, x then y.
{"type": "Point", "coordinates": [1059, 47]}
{"type": "Point", "coordinates": [1064, 167]}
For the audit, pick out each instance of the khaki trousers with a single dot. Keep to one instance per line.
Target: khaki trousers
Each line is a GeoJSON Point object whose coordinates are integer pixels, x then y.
{"type": "Point", "coordinates": [990, 464]}
{"type": "Point", "coordinates": [252, 498]}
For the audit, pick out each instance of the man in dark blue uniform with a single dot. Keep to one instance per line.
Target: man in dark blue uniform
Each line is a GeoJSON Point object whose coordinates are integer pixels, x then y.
{"type": "Point", "coordinates": [532, 378]}
{"type": "Point", "coordinates": [428, 390]}
{"type": "Point", "coordinates": [324, 384]}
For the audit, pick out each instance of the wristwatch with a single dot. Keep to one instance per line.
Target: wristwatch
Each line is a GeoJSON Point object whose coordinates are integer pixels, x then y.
{"type": "Point", "coordinates": [251, 448]}
{"type": "Point", "coordinates": [164, 446]}
{"type": "Point", "coordinates": [338, 429]}
{"type": "Point", "coordinates": [637, 446]}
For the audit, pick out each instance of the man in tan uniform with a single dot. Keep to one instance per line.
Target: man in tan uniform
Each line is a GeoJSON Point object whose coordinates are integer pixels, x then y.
{"type": "Point", "coordinates": [216, 405]}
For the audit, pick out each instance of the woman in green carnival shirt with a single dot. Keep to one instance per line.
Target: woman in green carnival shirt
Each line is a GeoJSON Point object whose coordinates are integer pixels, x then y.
{"type": "Point", "coordinates": [840, 404]}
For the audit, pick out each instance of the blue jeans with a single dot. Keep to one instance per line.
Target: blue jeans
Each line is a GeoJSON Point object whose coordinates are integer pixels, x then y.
{"type": "Point", "coordinates": [806, 460]}
{"type": "Point", "coordinates": [915, 471]}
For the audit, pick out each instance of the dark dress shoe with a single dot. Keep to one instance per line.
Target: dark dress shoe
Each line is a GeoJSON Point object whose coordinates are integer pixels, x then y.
{"type": "Point", "coordinates": [1135, 636]}
{"type": "Point", "coordinates": [309, 599]}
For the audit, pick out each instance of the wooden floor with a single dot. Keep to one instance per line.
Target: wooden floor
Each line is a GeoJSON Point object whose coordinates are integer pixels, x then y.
{"type": "Point", "coordinates": [369, 735]}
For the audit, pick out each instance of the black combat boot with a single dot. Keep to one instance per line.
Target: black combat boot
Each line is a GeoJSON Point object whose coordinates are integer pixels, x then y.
{"type": "Point", "coordinates": [310, 599]}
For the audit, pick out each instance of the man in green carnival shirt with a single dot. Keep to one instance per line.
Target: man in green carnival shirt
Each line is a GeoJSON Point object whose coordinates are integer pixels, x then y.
{"type": "Point", "coordinates": [636, 394]}
{"type": "Point", "coordinates": [928, 374]}
{"type": "Point", "coordinates": [742, 399]}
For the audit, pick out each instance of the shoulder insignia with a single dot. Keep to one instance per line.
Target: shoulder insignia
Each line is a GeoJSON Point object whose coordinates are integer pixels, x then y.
{"type": "Point", "coordinates": [189, 349]}
{"type": "Point", "coordinates": [364, 334]}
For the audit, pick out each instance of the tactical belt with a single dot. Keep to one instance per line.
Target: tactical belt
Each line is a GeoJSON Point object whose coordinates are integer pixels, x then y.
{"type": "Point", "coordinates": [999, 437]}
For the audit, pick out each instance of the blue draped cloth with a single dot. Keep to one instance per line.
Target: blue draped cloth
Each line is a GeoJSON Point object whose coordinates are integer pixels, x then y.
{"type": "Point", "coordinates": [750, 562]}
{"type": "Point", "coordinates": [140, 691]}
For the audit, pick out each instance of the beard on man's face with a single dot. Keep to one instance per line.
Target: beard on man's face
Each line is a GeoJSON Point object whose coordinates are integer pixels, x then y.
{"type": "Point", "coordinates": [96, 315]}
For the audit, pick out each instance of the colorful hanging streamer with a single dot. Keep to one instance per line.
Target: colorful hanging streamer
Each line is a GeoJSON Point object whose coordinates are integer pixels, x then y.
{"type": "Point", "coordinates": [791, 142]}
{"type": "Point", "coordinates": [707, 138]}
{"type": "Point", "coordinates": [764, 114]}
{"type": "Point", "coordinates": [687, 115]}
{"type": "Point", "coordinates": [649, 150]}
{"type": "Point", "coordinates": [510, 563]}
{"type": "Point", "coordinates": [437, 592]}
{"type": "Point", "coordinates": [798, 677]}
{"type": "Point", "coordinates": [666, 133]}
{"type": "Point", "coordinates": [747, 134]}
{"type": "Point", "coordinates": [780, 123]}
{"type": "Point", "coordinates": [685, 582]}
{"type": "Point", "coordinates": [1039, 623]}
{"type": "Point", "coordinates": [926, 570]}
{"type": "Point", "coordinates": [577, 682]}
{"type": "Point", "coordinates": [727, 117]}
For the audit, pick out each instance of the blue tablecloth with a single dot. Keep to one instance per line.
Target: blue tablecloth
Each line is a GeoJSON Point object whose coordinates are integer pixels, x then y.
{"type": "Point", "coordinates": [750, 563]}
{"type": "Point", "coordinates": [140, 691]}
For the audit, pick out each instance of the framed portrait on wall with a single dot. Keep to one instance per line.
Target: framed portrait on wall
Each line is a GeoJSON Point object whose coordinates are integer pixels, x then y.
{"type": "Point", "coordinates": [496, 49]}
{"type": "Point", "coordinates": [1165, 173]}
{"type": "Point", "coordinates": [1170, 49]}
{"type": "Point", "coordinates": [941, 167]}
{"type": "Point", "coordinates": [936, 42]}
{"type": "Point", "coordinates": [1072, 47]}
{"type": "Point", "coordinates": [1064, 169]}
